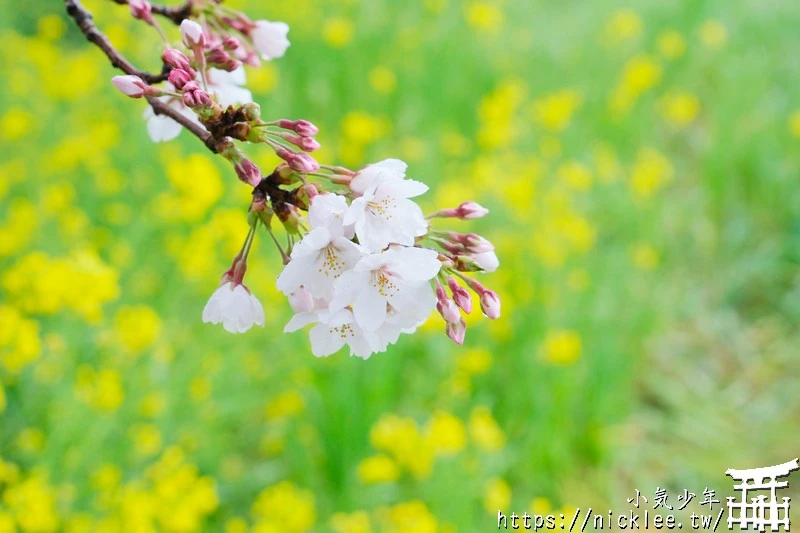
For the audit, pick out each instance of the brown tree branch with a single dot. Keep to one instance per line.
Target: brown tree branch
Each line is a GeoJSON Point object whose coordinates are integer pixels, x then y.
{"type": "Point", "coordinates": [83, 18]}
{"type": "Point", "coordinates": [175, 13]}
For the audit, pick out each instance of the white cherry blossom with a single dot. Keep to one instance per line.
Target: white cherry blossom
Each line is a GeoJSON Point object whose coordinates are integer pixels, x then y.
{"type": "Point", "coordinates": [333, 330]}
{"type": "Point", "coordinates": [386, 170]}
{"type": "Point", "coordinates": [384, 214]}
{"type": "Point", "coordinates": [324, 253]}
{"type": "Point", "coordinates": [269, 38]}
{"type": "Point", "coordinates": [397, 277]}
{"type": "Point", "coordinates": [235, 307]}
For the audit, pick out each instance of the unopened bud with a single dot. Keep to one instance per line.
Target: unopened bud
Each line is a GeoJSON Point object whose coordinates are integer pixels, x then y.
{"type": "Point", "coordinates": [291, 217]}
{"type": "Point", "coordinates": [142, 10]}
{"type": "Point", "coordinates": [446, 307]}
{"type": "Point", "coordinates": [472, 242]}
{"type": "Point", "coordinates": [307, 144]}
{"type": "Point", "coordinates": [251, 111]}
{"type": "Point", "coordinates": [248, 172]}
{"type": "Point", "coordinates": [457, 331]}
{"type": "Point", "coordinates": [460, 295]}
{"type": "Point", "coordinates": [490, 304]}
{"type": "Point", "coordinates": [197, 98]}
{"type": "Point", "coordinates": [231, 43]}
{"type": "Point", "coordinates": [220, 59]}
{"type": "Point", "coordinates": [191, 86]}
{"type": "Point", "coordinates": [471, 210]}
{"type": "Point", "coordinates": [132, 86]}
{"type": "Point", "coordinates": [284, 174]}
{"type": "Point", "coordinates": [466, 211]}
{"type": "Point", "coordinates": [298, 161]}
{"type": "Point", "coordinates": [488, 261]}
{"type": "Point", "coordinates": [303, 128]}
{"type": "Point", "coordinates": [179, 78]}
{"type": "Point", "coordinates": [192, 34]}
{"type": "Point", "coordinates": [177, 59]}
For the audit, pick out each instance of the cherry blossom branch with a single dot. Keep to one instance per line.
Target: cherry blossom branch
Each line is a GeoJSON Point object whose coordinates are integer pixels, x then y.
{"type": "Point", "coordinates": [83, 18]}
{"type": "Point", "coordinates": [85, 22]}
{"type": "Point", "coordinates": [175, 13]}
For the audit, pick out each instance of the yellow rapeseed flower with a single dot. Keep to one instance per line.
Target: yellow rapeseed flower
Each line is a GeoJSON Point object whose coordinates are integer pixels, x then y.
{"type": "Point", "coordinates": [16, 123]}
{"type": "Point", "coordinates": [445, 433]}
{"type": "Point", "coordinates": [137, 327]}
{"type": "Point", "coordinates": [377, 469]}
{"type": "Point", "coordinates": [651, 171]}
{"type": "Point", "coordinates": [794, 124]}
{"type": "Point", "coordinates": [484, 16]}
{"type": "Point", "coordinates": [575, 175]}
{"type": "Point", "coordinates": [671, 44]}
{"type": "Point", "coordinates": [382, 80]}
{"type": "Point", "coordinates": [20, 343]}
{"type": "Point", "coordinates": [338, 32]}
{"type": "Point", "coordinates": [408, 517]}
{"type": "Point", "coordinates": [623, 25]}
{"type": "Point", "coordinates": [496, 495]}
{"type": "Point", "coordinates": [679, 108]}
{"type": "Point", "coordinates": [562, 347]}
{"type": "Point", "coordinates": [286, 404]}
{"type": "Point", "coordinates": [146, 439]}
{"type": "Point", "coordinates": [286, 507]}
{"type": "Point", "coordinates": [355, 522]}
{"type": "Point", "coordinates": [713, 34]}
{"type": "Point", "coordinates": [484, 430]}
{"type": "Point", "coordinates": [555, 110]}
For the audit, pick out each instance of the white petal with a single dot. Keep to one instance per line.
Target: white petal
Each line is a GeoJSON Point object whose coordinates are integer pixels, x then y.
{"type": "Point", "coordinates": [407, 188]}
{"type": "Point", "coordinates": [487, 261]}
{"type": "Point", "coordinates": [300, 320]}
{"type": "Point", "coordinates": [415, 264]}
{"type": "Point", "coordinates": [324, 340]}
{"type": "Point", "coordinates": [346, 289]}
{"type": "Point", "coordinates": [369, 309]}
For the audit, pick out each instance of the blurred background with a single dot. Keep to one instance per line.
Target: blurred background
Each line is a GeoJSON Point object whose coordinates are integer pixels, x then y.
{"type": "Point", "coordinates": [641, 163]}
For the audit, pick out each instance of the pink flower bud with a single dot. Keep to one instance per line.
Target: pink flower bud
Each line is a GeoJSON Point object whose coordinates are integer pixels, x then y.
{"type": "Point", "coordinates": [311, 191]}
{"type": "Point", "coordinates": [197, 98]}
{"type": "Point", "coordinates": [490, 304]}
{"type": "Point", "coordinates": [132, 86]}
{"type": "Point", "coordinates": [460, 295]}
{"type": "Point", "coordinates": [248, 172]}
{"type": "Point", "coordinates": [298, 161]}
{"type": "Point", "coordinates": [191, 86]}
{"type": "Point", "coordinates": [303, 128]}
{"type": "Point", "coordinates": [457, 331]}
{"type": "Point", "coordinates": [446, 307]}
{"type": "Point", "coordinates": [231, 43]}
{"type": "Point", "coordinates": [192, 34]}
{"type": "Point", "coordinates": [307, 144]}
{"type": "Point", "coordinates": [176, 59]}
{"type": "Point", "coordinates": [220, 59]}
{"type": "Point", "coordinates": [142, 10]}
{"type": "Point", "coordinates": [301, 301]}
{"type": "Point", "coordinates": [179, 78]}
{"type": "Point", "coordinates": [471, 210]}
{"type": "Point", "coordinates": [471, 242]}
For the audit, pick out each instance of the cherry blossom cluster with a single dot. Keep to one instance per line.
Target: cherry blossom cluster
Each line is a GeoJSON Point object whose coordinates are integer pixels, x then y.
{"type": "Point", "coordinates": [362, 263]}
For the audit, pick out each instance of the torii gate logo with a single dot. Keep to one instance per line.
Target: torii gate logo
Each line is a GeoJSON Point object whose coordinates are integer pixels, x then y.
{"type": "Point", "coordinates": [757, 510]}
